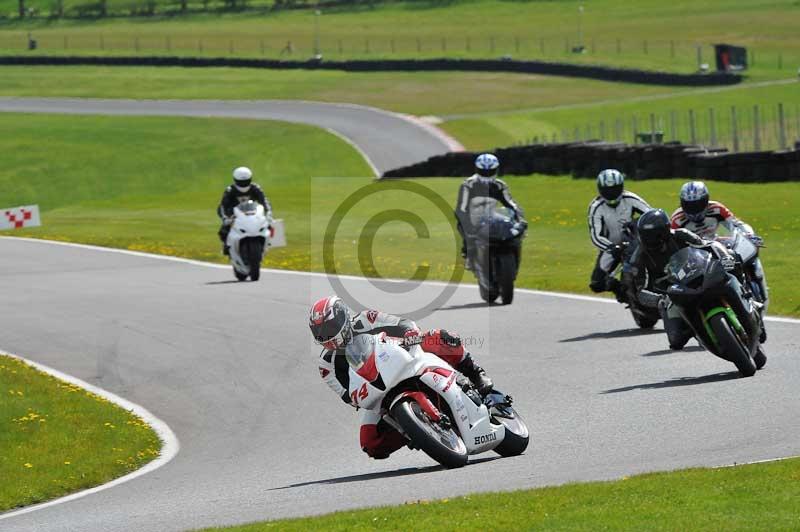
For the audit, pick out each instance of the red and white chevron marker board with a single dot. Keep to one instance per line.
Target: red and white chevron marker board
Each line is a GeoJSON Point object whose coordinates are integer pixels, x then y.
{"type": "Point", "coordinates": [19, 217]}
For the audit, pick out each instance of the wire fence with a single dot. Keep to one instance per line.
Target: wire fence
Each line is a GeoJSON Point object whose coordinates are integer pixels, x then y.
{"type": "Point", "coordinates": [667, 54]}
{"type": "Point", "coordinates": [739, 129]}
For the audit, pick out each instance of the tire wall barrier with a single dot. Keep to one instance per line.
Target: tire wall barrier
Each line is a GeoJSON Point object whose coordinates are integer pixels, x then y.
{"type": "Point", "coordinates": [398, 65]}
{"type": "Point", "coordinates": [646, 161]}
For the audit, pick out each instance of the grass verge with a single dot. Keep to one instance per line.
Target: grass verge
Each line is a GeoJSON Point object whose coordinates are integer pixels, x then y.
{"type": "Point", "coordinates": [749, 497]}
{"type": "Point", "coordinates": [58, 438]}
{"type": "Point", "coordinates": [417, 93]}
{"type": "Point", "coordinates": [619, 118]}
{"type": "Point", "coordinates": [164, 202]}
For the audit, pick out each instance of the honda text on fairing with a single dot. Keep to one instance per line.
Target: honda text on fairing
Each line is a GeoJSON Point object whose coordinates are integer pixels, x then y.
{"type": "Point", "coordinates": [498, 245]}
{"type": "Point", "coordinates": [437, 409]}
{"type": "Point", "coordinates": [248, 238]}
{"type": "Point", "coordinates": [710, 300]}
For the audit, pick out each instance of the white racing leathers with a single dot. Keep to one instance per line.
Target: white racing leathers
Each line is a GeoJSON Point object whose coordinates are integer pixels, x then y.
{"type": "Point", "coordinates": [717, 214]}
{"type": "Point", "coordinates": [606, 229]}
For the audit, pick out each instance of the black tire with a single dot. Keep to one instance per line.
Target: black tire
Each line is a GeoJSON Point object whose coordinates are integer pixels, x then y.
{"type": "Point", "coordinates": [517, 436]}
{"type": "Point", "coordinates": [504, 272]}
{"type": "Point", "coordinates": [239, 276]}
{"type": "Point", "coordinates": [487, 295]}
{"type": "Point", "coordinates": [429, 437]}
{"type": "Point", "coordinates": [731, 346]}
{"type": "Point", "coordinates": [760, 358]}
{"type": "Point", "coordinates": [252, 253]}
{"type": "Point", "coordinates": [644, 322]}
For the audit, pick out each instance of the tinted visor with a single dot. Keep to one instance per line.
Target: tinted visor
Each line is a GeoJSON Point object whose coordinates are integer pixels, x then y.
{"type": "Point", "coordinates": [244, 183]}
{"type": "Point", "coordinates": [694, 209]}
{"type": "Point", "coordinates": [612, 194]}
{"type": "Point", "coordinates": [326, 331]}
{"type": "Point", "coordinates": [654, 238]}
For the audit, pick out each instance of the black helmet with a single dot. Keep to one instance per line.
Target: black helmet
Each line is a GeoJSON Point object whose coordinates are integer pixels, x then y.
{"type": "Point", "coordinates": [653, 228]}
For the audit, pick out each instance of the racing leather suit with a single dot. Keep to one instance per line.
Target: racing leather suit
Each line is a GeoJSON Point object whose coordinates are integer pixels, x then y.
{"type": "Point", "coordinates": [377, 438]}
{"type": "Point", "coordinates": [718, 214]}
{"type": "Point", "coordinates": [655, 262]}
{"type": "Point", "coordinates": [607, 231]}
{"type": "Point", "coordinates": [233, 197]}
{"type": "Point", "coordinates": [477, 197]}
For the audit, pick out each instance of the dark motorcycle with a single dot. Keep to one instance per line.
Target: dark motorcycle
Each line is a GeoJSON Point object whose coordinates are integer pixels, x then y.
{"type": "Point", "coordinates": [644, 307]}
{"type": "Point", "coordinates": [746, 250]}
{"type": "Point", "coordinates": [497, 244]}
{"type": "Point", "coordinates": [710, 300]}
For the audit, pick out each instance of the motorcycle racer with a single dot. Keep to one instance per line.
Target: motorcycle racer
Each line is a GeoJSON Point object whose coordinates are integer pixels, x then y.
{"type": "Point", "coordinates": [241, 190]}
{"type": "Point", "coordinates": [478, 195]}
{"type": "Point", "coordinates": [702, 216]}
{"type": "Point", "coordinates": [657, 243]}
{"type": "Point", "coordinates": [334, 326]}
{"type": "Point", "coordinates": [608, 214]}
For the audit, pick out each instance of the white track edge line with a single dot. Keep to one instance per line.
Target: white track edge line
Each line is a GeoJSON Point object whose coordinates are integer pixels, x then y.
{"type": "Point", "coordinates": [530, 291]}
{"type": "Point", "coordinates": [375, 172]}
{"type": "Point", "coordinates": [765, 461]}
{"type": "Point", "coordinates": [169, 449]}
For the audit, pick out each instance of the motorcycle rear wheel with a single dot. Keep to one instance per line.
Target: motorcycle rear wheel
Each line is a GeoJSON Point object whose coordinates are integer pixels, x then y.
{"type": "Point", "coordinates": [487, 295]}
{"type": "Point", "coordinates": [731, 346]}
{"type": "Point", "coordinates": [644, 322]}
{"type": "Point", "coordinates": [443, 445]}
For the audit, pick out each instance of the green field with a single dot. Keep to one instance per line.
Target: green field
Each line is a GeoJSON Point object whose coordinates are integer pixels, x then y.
{"type": "Point", "coordinates": [418, 93]}
{"type": "Point", "coordinates": [58, 438]}
{"type": "Point", "coordinates": [646, 34]}
{"type": "Point", "coordinates": [482, 110]}
{"type": "Point", "coordinates": [750, 497]}
{"type": "Point", "coordinates": [164, 202]}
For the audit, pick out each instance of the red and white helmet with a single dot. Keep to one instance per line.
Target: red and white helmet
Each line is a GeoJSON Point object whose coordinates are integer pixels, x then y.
{"type": "Point", "coordinates": [329, 321]}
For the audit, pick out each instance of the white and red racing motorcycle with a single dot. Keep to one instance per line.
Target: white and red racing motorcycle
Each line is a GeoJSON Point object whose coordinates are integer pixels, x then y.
{"type": "Point", "coordinates": [429, 402]}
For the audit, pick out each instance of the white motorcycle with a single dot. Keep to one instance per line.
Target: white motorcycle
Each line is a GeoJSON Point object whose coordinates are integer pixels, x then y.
{"type": "Point", "coordinates": [249, 237]}
{"type": "Point", "coordinates": [429, 402]}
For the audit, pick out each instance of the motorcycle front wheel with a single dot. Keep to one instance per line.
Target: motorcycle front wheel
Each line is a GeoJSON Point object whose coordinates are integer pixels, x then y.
{"type": "Point", "coordinates": [252, 253]}
{"type": "Point", "coordinates": [443, 444]}
{"type": "Point", "coordinates": [504, 270]}
{"type": "Point", "coordinates": [731, 346]}
{"type": "Point", "coordinates": [517, 435]}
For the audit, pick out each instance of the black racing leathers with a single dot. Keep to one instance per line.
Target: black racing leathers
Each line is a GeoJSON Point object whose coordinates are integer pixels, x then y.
{"type": "Point", "coordinates": [655, 262]}
{"type": "Point", "coordinates": [233, 197]}
{"type": "Point", "coordinates": [477, 195]}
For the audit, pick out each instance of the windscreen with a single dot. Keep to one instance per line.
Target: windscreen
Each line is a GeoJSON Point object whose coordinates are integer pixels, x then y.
{"type": "Point", "coordinates": [359, 350]}
{"type": "Point", "coordinates": [248, 207]}
{"type": "Point", "coordinates": [687, 264]}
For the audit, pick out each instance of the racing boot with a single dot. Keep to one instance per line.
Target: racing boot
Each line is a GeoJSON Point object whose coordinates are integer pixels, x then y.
{"type": "Point", "coordinates": [226, 250]}
{"type": "Point", "coordinates": [618, 289]}
{"type": "Point", "coordinates": [475, 374]}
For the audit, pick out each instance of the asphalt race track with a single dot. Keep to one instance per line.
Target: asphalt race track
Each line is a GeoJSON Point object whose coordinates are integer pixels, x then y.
{"type": "Point", "coordinates": [230, 367]}
{"type": "Point", "coordinates": [387, 139]}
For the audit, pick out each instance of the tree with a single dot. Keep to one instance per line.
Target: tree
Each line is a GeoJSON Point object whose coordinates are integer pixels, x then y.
{"type": "Point", "coordinates": [21, 8]}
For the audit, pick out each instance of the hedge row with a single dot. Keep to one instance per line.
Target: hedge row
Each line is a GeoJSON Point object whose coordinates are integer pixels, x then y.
{"type": "Point", "coordinates": [651, 161]}
{"type": "Point", "coordinates": [410, 65]}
